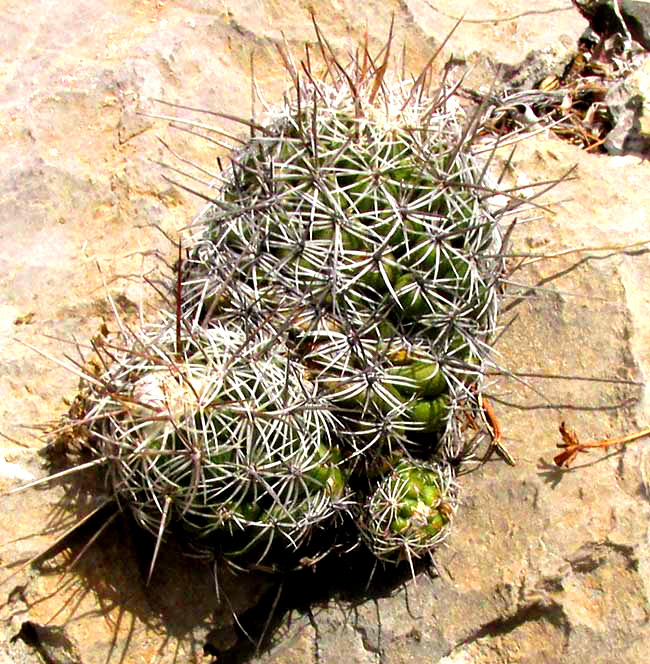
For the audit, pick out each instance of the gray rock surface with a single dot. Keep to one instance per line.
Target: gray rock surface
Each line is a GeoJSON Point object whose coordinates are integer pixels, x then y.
{"type": "Point", "coordinates": [629, 103]}
{"type": "Point", "coordinates": [607, 17]}
{"type": "Point", "coordinates": [544, 565]}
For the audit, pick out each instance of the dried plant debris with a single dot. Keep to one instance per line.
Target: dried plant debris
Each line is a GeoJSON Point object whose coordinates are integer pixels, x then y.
{"type": "Point", "coordinates": [588, 96]}
{"type": "Point", "coordinates": [571, 445]}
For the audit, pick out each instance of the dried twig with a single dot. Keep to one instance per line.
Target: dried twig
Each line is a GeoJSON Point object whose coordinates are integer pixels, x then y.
{"type": "Point", "coordinates": [572, 446]}
{"type": "Point", "coordinates": [493, 422]}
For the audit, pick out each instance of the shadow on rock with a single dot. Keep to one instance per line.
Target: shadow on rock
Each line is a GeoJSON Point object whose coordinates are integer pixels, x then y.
{"type": "Point", "coordinates": [195, 605]}
{"type": "Point", "coordinates": [349, 580]}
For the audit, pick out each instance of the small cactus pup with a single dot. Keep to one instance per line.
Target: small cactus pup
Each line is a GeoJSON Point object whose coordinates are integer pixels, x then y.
{"type": "Point", "coordinates": [223, 440]}
{"type": "Point", "coordinates": [358, 223]}
{"type": "Point", "coordinates": [409, 511]}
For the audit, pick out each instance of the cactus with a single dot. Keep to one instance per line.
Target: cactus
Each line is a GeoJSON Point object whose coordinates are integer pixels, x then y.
{"type": "Point", "coordinates": [335, 309]}
{"type": "Point", "coordinates": [223, 439]}
{"type": "Point", "coordinates": [409, 511]}
{"type": "Point", "coordinates": [358, 226]}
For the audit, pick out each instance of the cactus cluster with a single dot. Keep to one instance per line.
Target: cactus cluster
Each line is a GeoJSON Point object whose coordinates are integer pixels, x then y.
{"type": "Point", "coordinates": [336, 303]}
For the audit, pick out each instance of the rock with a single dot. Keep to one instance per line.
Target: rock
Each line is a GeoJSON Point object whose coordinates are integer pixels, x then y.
{"type": "Point", "coordinates": [605, 21]}
{"type": "Point", "coordinates": [629, 104]}
{"type": "Point", "coordinates": [553, 59]}
{"type": "Point", "coordinates": [543, 564]}
{"type": "Point", "coordinates": [50, 642]}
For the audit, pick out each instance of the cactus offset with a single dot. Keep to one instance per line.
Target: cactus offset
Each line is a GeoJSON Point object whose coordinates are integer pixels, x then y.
{"type": "Point", "coordinates": [408, 511]}
{"type": "Point", "coordinates": [224, 438]}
